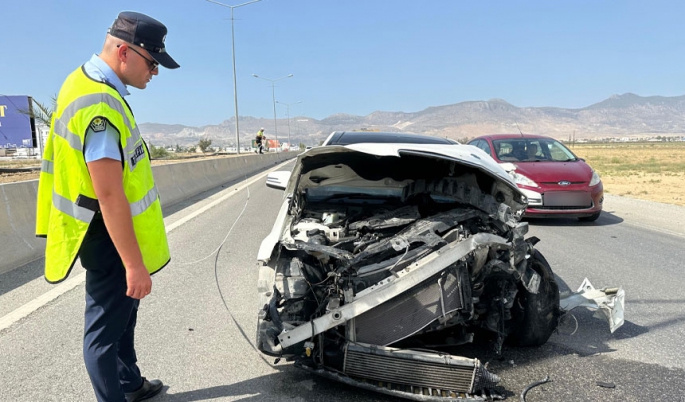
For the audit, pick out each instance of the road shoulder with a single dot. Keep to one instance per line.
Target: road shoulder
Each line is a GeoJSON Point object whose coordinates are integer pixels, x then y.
{"type": "Point", "coordinates": [649, 214]}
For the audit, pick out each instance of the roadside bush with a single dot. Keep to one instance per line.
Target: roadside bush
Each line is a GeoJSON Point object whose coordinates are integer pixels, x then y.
{"type": "Point", "coordinates": [204, 144]}
{"type": "Point", "coordinates": [158, 152]}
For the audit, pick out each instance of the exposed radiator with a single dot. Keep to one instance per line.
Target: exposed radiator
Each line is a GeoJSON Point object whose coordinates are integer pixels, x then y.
{"type": "Point", "coordinates": [410, 312]}
{"type": "Point", "coordinates": [422, 370]}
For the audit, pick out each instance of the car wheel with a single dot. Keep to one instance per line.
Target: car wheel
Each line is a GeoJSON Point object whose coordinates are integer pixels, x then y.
{"type": "Point", "coordinates": [590, 218]}
{"type": "Point", "coordinates": [536, 316]}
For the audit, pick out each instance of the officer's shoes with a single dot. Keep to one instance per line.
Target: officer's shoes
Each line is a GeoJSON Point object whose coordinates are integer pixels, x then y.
{"type": "Point", "coordinates": [146, 391]}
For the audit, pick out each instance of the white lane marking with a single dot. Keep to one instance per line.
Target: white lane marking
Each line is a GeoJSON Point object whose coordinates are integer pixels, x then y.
{"type": "Point", "coordinates": [11, 318]}
{"type": "Point", "coordinates": [40, 301]}
{"type": "Point", "coordinates": [230, 192]}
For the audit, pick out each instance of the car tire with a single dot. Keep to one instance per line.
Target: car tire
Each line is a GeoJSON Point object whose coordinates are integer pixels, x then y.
{"type": "Point", "coordinates": [536, 316]}
{"type": "Point", "coordinates": [590, 218]}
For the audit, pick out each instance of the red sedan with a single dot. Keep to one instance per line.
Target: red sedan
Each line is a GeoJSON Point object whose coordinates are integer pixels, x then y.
{"type": "Point", "coordinates": [556, 182]}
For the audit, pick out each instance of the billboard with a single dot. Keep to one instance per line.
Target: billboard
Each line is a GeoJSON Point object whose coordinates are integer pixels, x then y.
{"type": "Point", "coordinates": [272, 144]}
{"type": "Point", "coordinates": [17, 128]}
{"type": "Point", "coordinates": [269, 144]}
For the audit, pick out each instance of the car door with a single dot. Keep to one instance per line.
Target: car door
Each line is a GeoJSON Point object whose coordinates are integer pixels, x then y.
{"type": "Point", "coordinates": [482, 144]}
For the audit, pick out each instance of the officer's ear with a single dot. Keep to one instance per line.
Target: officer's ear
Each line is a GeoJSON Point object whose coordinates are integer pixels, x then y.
{"type": "Point", "coordinates": [122, 52]}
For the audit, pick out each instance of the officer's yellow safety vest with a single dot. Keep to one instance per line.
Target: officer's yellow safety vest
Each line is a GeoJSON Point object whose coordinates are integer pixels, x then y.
{"type": "Point", "coordinates": [66, 200]}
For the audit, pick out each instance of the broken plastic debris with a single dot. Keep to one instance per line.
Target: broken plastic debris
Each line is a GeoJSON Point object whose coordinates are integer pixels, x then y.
{"type": "Point", "coordinates": [608, 302]}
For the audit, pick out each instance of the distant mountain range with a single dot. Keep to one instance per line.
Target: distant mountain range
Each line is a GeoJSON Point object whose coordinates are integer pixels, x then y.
{"type": "Point", "coordinates": [626, 115]}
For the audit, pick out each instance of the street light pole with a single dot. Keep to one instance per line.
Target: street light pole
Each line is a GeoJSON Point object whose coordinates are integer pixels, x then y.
{"type": "Point", "coordinates": [287, 111]}
{"type": "Point", "coordinates": [273, 97]}
{"type": "Point", "coordinates": [235, 82]}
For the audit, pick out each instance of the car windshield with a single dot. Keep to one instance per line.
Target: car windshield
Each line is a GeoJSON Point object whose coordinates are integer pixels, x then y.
{"type": "Point", "coordinates": [532, 150]}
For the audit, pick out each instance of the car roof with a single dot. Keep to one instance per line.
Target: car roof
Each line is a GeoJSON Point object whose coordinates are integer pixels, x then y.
{"type": "Point", "coordinates": [510, 136]}
{"type": "Point", "coordinates": [357, 137]}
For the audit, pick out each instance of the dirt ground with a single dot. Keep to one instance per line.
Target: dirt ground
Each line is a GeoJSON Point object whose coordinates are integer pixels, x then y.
{"type": "Point", "coordinates": [15, 177]}
{"type": "Point", "coordinates": [648, 171]}
{"type": "Point", "coordinates": [650, 187]}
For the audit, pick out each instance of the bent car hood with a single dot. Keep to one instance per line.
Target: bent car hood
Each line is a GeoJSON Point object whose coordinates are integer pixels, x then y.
{"type": "Point", "coordinates": [465, 154]}
{"type": "Point", "coordinates": [575, 172]}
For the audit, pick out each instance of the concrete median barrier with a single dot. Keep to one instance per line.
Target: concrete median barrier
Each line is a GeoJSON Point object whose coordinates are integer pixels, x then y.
{"type": "Point", "coordinates": [18, 242]}
{"type": "Point", "coordinates": [176, 182]}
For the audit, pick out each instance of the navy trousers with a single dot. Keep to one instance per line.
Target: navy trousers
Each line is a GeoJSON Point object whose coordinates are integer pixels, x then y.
{"type": "Point", "coordinates": [110, 318]}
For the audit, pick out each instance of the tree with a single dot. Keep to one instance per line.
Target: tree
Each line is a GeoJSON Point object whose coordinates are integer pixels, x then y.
{"type": "Point", "coordinates": [158, 152]}
{"type": "Point", "coordinates": [44, 113]}
{"type": "Point", "coordinates": [41, 112]}
{"type": "Point", "coordinates": [204, 144]}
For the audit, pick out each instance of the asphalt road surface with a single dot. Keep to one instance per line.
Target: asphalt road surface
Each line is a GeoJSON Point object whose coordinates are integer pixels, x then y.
{"type": "Point", "coordinates": [196, 330]}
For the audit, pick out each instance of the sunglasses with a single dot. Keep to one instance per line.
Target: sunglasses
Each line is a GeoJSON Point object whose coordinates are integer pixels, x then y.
{"type": "Point", "coordinates": [150, 63]}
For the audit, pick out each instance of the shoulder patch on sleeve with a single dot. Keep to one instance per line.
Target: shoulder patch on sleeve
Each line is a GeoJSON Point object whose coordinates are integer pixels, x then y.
{"type": "Point", "coordinates": [98, 124]}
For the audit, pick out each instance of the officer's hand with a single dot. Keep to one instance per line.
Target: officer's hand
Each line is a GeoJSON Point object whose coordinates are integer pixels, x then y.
{"type": "Point", "coordinates": [138, 282]}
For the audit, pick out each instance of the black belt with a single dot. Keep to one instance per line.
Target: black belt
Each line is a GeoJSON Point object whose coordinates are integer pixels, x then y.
{"type": "Point", "coordinates": [88, 203]}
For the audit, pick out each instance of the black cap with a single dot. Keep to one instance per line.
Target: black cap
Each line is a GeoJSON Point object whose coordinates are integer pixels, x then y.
{"type": "Point", "coordinates": [143, 31]}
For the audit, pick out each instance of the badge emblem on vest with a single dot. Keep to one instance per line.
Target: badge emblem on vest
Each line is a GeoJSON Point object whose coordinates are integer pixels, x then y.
{"type": "Point", "coordinates": [98, 124]}
{"type": "Point", "coordinates": [138, 154]}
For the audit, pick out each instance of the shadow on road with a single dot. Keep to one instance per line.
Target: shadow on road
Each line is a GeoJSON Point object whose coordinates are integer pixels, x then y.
{"type": "Point", "coordinates": [20, 276]}
{"type": "Point", "coordinates": [289, 383]}
{"type": "Point", "coordinates": [606, 219]}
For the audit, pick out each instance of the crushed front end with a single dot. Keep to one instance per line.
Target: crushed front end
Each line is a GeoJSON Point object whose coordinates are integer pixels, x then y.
{"type": "Point", "coordinates": [382, 260]}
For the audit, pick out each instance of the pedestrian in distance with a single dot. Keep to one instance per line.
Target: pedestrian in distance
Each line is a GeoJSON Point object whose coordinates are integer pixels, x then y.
{"type": "Point", "coordinates": [97, 201]}
{"type": "Point", "coordinates": [259, 140]}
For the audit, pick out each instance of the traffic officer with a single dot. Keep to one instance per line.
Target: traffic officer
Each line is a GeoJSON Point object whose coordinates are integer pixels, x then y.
{"type": "Point", "coordinates": [259, 140]}
{"type": "Point", "coordinates": [97, 200]}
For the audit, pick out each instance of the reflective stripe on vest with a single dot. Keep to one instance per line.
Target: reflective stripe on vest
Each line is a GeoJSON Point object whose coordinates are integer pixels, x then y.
{"type": "Point", "coordinates": [47, 166]}
{"type": "Point", "coordinates": [144, 203]}
{"type": "Point", "coordinates": [67, 207]}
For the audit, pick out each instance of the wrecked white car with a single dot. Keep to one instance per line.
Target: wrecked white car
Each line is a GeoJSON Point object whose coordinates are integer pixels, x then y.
{"type": "Point", "coordinates": [383, 253]}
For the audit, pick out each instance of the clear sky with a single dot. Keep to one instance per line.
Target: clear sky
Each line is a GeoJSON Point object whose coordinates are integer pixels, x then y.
{"type": "Point", "coordinates": [359, 56]}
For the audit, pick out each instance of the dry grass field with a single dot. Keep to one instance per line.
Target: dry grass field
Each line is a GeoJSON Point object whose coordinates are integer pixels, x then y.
{"type": "Point", "coordinates": [653, 171]}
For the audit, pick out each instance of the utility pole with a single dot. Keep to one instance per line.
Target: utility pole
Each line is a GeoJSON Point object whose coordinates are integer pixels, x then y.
{"type": "Point", "coordinates": [235, 83]}
{"type": "Point", "coordinates": [273, 98]}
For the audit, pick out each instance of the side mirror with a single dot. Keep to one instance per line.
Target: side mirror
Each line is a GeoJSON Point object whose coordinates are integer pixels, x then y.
{"type": "Point", "coordinates": [278, 179]}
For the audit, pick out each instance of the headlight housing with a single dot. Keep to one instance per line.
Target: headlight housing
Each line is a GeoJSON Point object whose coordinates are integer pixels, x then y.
{"type": "Point", "coordinates": [595, 179]}
{"type": "Point", "coordinates": [522, 180]}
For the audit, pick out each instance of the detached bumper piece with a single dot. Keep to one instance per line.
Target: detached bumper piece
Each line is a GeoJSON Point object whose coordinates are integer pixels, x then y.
{"type": "Point", "coordinates": [608, 303]}
{"type": "Point", "coordinates": [416, 375]}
